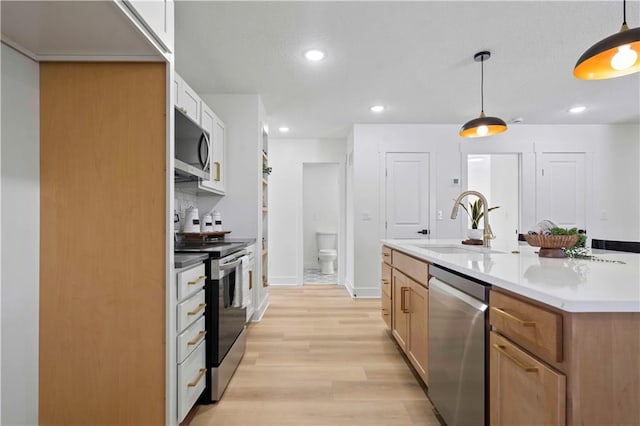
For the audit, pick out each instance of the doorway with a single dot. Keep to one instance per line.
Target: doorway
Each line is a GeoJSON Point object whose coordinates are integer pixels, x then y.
{"type": "Point", "coordinates": [321, 222]}
{"type": "Point", "coordinates": [497, 177]}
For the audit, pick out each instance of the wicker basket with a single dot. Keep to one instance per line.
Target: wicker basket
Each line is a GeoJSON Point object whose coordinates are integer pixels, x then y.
{"type": "Point", "coordinates": [551, 241]}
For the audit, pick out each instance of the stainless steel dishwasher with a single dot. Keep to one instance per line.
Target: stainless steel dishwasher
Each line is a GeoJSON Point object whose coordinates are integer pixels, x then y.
{"type": "Point", "coordinates": [457, 347]}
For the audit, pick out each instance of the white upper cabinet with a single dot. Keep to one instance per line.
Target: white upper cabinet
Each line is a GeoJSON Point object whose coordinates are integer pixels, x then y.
{"type": "Point", "coordinates": [158, 17]}
{"type": "Point", "coordinates": [216, 130]}
{"type": "Point", "coordinates": [187, 100]}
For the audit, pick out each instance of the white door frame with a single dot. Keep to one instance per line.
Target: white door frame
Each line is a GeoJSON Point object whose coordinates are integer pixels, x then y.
{"type": "Point", "coordinates": [342, 211]}
{"type": "Point", "coordinates": [527, 176]}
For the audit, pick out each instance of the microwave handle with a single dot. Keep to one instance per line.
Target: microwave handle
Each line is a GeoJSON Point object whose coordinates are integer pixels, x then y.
{"type": "Point", "coordinates": [204, 138]}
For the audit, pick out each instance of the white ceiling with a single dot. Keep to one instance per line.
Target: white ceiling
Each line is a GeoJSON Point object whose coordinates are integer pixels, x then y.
{"type": "Point", "coordinates": [414, 57]}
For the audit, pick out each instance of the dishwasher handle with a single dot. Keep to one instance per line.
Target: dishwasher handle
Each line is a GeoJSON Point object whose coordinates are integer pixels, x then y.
{"type": "Point", "coordinates": [436, 284]}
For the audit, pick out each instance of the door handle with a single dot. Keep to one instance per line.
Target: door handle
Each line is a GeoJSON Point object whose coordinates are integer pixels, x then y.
{"type": "Point", "coordinates": [403, 300]}
{"type": "Point", "coordinates": [424, 232]}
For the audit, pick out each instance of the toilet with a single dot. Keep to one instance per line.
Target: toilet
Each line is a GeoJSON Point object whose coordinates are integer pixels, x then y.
{"type": "Point", "coordinates": [327, 253]}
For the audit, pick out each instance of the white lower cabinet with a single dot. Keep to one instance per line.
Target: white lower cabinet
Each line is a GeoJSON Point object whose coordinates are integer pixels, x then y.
{"type": "Point", "coordinates": [190, 310]}
{"type": "Point", "coordinates": [191, 380]}
{"type": "Point", "coordinates": [189, 339]}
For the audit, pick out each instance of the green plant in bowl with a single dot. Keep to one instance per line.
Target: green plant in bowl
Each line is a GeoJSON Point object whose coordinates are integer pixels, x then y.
{"type": "Point", "coordinates": [579, 249]}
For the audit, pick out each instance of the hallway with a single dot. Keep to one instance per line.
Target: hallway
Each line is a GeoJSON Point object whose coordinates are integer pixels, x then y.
{"type": "Point", "coordinates": [320, 358]}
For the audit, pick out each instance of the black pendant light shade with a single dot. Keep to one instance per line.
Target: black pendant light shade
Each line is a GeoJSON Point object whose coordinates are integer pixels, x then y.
{"type": "Point", "coordinates": [483, 125]}
{"type": "Point", "coordinates": [614, 56]}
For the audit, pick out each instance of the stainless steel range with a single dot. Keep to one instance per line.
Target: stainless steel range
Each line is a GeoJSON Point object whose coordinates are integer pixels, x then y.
{"type": "Point", "coordinates": [224, 315]}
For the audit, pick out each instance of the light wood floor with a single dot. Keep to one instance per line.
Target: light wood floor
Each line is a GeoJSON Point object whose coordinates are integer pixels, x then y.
{"type": "Point", "coordinates": [320, 358]}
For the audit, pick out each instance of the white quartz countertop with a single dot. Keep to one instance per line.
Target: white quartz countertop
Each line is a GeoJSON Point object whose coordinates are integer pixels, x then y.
{"type": "Point", "coordinates": [573, 285]}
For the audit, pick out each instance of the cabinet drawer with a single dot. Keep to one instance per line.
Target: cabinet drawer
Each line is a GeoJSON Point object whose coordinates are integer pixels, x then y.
{"type": "Point", "coordinates": [190, 339]}
{"type": "Point", "coordinates": [414, 268]}
{"type": "Point", "coordinates": [386, 279]}
{"type": "Point", "coordinates": [523, 390]}
{"type": "Point", "coordinates": [535, 328]}
{"type": "Point", "coordinates": [386, 309]}
{"type": "Point", "coordinates": [190, 280]}
{"type": "Point", "coordinates": [190, 310]}
{"type": "Point", "coordinates": [386, 254]}
{"type": "Point", "coordinates": [191, 380]}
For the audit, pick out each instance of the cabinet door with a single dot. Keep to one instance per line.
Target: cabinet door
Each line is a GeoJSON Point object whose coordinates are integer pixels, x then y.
{"type": "Point", "coordinates": [386, 309]}
{"type": "Point", "coordinates": [400, 311]}
{"type": "Point", "coordinates": [158, 17]}
{"type": "Point", "coordinates": [523, 390]}
{"type": "Point", "coordinates": [418, 328]}
{"type": "Point", "coordinates": [187, 100]}
{"type": "Point", "coordinates": [213, 125]}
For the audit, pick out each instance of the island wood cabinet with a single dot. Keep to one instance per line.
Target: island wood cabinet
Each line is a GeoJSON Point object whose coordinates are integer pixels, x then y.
{"type": "Point", "coordinates": [551, 367]}
{"type": "Point", "coordinates": [409, 306]}
{"type": "Point", "coordinates": [385, 294]}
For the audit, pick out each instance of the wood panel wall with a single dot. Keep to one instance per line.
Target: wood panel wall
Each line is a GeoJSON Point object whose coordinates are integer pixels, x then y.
{"type": "Point", "coordinates": [102, 248]}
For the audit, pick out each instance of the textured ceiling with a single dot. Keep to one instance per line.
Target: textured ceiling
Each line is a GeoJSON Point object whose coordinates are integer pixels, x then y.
{"type": "Point", "coordinates": [414, 57]}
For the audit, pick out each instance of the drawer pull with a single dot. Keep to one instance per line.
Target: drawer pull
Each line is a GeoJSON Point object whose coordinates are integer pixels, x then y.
{"type": "Point", "coordinates": [385, 282]}
{"type": "Point", "coordinates": [196, 281]}
{"type": "Point", "coordinates": [197, 380]}
{"type": "Point", "coordinates": [386, 254]}
{"type": "Point", "coordinates": [403, 299]}
{"type": "Point", "coordinates": [502, 350]}
{"type": "Point", "coordinates": [506, 314]}
{"type": "Point", "coordinates": [217, 164]}
{"type": "Point", "coordinates": [198, 309]}
{"type": "Point", "coordinates": [384, 312]}
{"type": "Point", "coordinates": [199, 337]}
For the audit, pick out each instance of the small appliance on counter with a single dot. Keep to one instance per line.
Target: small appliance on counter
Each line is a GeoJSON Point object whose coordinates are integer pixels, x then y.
{"type": "Point", "coordinates": [191, 220]}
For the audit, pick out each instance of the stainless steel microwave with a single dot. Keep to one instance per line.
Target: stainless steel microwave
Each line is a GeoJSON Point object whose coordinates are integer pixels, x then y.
{"type": "Point", "coordinates": [192, 147]}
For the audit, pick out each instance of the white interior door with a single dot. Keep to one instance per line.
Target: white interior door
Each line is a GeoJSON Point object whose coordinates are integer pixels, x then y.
{"type": "Point", "coordinates": [561, 189]}
{"type": "Point", "coordinates": [407, 195]}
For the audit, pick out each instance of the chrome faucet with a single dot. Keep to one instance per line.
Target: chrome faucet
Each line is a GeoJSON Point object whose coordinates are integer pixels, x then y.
{"type": "Point", "coordinates": [488, 233]}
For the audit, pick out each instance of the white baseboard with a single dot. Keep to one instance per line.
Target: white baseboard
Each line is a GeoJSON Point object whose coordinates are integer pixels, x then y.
{"type": "Point", "coordinates": [277, 281]}
{"type": "Point", "coordinates": [362, 292]}
{"type": "Point", "coordinates": [259, 313]}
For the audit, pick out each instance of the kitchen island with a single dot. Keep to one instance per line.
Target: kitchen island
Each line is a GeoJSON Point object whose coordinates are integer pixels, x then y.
{"type": "Point", "coordinates": [562, 337]}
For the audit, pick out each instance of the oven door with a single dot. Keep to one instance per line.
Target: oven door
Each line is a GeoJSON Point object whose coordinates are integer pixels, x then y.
{"type": "Point", "coordinates": [231, 314]}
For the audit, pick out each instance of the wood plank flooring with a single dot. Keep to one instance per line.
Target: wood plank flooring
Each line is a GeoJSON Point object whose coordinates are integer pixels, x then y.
{"type": "Point", "coordinates": [320, 358]}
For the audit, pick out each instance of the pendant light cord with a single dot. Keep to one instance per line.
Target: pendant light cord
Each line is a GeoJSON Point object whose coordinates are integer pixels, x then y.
{"type": "Point", "coordinates": [624, 12]}
{"type": "Point", "coordinates": [482, 84]}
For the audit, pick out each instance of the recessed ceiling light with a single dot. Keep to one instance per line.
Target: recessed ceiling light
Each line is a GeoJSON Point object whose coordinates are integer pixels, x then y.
{"type": "Point", "coordinates": [377, 108]}
{"type": "Point", "coordinates": [314, 55]}
{"type": "Point", "coordinates": [283, 129]}
{"type": "Point", "coordinates": [577, 109]}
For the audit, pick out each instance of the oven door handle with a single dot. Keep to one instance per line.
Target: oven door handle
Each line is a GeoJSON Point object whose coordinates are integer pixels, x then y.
{"type": "Point", "coordinates": [230, 265]}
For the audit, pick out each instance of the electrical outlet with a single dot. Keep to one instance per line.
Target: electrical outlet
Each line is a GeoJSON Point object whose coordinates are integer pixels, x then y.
{"type": "Point", "coordinates": [439, 214]}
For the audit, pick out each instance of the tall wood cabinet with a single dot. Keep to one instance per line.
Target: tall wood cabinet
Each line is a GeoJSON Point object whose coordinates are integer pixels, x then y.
{"type": "Point", "coordinates": [103, 222]}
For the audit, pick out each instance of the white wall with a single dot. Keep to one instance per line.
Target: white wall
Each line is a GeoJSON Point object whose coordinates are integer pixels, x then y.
{"type": "Point", "coordinates": [320, 207]}
{"type": "Point", "coordinates": [20, 237]}
{"type": "Point", "coordinates": [349, 225]}
{"type": "Point", "coordinates": [613, 179]}
{"type": "Point", "coordinates": [287, 157]}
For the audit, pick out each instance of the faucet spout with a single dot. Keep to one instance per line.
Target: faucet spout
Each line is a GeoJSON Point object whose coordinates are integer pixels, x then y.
{"type": "Point", "coordinates": [488, 233]}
